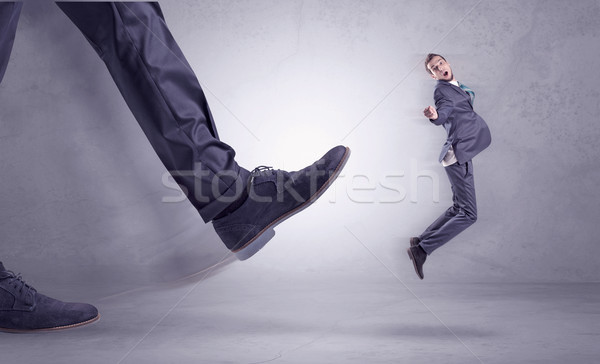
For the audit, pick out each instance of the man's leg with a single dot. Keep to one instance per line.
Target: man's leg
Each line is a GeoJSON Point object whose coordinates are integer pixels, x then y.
{"type": "Point", "coordinates": [9, 17]}
{"type": "Point", "coordinates": [22, 308]}
{"type": "Point", "coordinates": [456, 219]}
{"type": "Point", "coordinates": [440, 221]}
{"type": "Point", "coordinates": [165, 97]}
{"type": "Point", "coordinates": [465, 206]}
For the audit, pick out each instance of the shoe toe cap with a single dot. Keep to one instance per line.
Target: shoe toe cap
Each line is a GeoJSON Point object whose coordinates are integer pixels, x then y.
{"type": "Point", "coordinates": [334, 156]}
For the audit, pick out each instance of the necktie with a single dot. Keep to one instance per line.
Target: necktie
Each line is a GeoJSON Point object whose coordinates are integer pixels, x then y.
{"type": "Point", "coordinates": [468, 90]}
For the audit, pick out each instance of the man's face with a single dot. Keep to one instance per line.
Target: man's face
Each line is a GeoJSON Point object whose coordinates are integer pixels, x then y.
{"type": "Point", "coordinates": [440, 69]}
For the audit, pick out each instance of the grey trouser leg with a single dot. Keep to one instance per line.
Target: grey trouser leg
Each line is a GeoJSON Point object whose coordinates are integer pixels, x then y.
{"type": "Point", "coordinates": [165, 97]}
{"type": "Point", "coordinates": [460, 216]}
{"type": "Point", "coordinates": [9, 17]}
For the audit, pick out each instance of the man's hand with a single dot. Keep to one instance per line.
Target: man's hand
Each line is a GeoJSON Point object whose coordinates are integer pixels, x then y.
{"type": "Point", "coordinates": [430, 112]}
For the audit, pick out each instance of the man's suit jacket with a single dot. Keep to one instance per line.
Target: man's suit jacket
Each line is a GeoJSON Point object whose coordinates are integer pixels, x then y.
{"type": "Point", "coordinates": [468, 134]}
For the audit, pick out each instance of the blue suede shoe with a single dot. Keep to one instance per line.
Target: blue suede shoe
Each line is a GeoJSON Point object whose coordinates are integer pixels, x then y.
{"type": "Point", "coordinates": [273, 196]}
{"type": "Point", "coordinates": [23, 309]}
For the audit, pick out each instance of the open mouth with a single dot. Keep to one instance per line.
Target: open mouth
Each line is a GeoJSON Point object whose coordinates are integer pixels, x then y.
{"type": "Point", "coordinates": [446, 74]}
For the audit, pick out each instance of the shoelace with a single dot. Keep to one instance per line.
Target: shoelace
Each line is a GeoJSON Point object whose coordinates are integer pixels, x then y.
{"type": "Point", "coordinates": [260, 169]}
{"type": "Point", "coordinates": [17, 282]}
{"type": "Point", "coordinates": [257, 171]}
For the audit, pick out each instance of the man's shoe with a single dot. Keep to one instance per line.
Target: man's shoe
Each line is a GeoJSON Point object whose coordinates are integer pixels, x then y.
{"type": "Point", "coordinates": [414, 241]}
{"type": "Point", "coordinates": [23, 309]}
{"type": "Point", "coordinates": [418, 257]}
{"type": "Point", "coordinates": [273, 196]}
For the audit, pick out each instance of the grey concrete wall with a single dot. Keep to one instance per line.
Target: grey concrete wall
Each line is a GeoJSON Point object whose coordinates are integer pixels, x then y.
{"type": "Point", "coordinates": [82, 192]}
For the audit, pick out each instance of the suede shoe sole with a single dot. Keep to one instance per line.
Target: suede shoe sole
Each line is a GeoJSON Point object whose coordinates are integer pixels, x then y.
{"type": "Point", "coordinates": [57, 328]}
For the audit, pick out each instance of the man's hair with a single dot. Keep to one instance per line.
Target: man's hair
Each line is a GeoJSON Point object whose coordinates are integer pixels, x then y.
{"type": "Point", "coordinates": [429, 58]}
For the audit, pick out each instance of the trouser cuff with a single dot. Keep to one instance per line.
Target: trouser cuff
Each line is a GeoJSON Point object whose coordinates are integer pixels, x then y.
{"type": "Point", "coordinates": [228, 197]}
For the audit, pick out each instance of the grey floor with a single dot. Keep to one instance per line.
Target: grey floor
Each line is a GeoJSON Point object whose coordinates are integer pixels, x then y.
{"type": "Point", "coordinates": [249, 313]}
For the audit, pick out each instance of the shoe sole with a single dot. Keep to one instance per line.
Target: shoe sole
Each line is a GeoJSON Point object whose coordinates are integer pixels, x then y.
{"type": "Point", "coordinates": [412, 258]}
{"type": "Point", "coordinates": [266, 234]}
{"type": "Point", "coordinates": [57, 328]}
